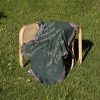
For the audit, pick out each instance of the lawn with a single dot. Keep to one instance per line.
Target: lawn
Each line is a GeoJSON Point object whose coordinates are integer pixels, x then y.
{"type": "Point", "coordinates": [82, 83]}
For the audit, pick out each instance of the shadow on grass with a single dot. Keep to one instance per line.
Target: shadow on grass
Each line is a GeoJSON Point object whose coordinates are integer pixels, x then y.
{"type": "Point", "coordinates": [86, 47]}
{"type": "Point", "coordinates": [2, 15]}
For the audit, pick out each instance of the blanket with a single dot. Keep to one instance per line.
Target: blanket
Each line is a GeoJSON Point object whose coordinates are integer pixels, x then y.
{"type": "Point", "coordinates": [48, 50]}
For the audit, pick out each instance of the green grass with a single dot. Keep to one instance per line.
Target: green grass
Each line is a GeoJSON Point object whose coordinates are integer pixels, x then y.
{"type": "Point", "coordinates": [82, 83]}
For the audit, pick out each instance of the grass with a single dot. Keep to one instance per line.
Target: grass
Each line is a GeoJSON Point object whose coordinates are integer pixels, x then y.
{"type": "Point", "coordinates": [82, 83]}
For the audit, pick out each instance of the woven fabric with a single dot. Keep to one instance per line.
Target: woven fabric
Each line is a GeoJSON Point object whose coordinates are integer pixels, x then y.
{"type": "Point", "coordinates": [48, 49]}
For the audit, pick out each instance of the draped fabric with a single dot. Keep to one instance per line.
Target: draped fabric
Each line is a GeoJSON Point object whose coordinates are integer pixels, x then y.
{"type": "Point", "coordinates": [47, 51]}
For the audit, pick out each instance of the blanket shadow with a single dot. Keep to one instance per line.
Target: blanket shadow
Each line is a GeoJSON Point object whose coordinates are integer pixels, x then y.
{"type": "Point", "coordinates": [86, 47]}
{"type": "Point", "coordinates": [2, 15]}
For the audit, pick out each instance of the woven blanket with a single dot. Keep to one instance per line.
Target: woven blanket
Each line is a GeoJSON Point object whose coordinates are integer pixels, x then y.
{"type": "Point", "coordinates": [48, 50]}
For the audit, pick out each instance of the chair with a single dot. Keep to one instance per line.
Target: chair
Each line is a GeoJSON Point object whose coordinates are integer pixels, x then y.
{"type": "Point", "coordinates": [28, 33]}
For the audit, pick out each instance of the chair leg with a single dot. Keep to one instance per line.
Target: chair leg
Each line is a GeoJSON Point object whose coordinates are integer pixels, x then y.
{"type": "Point", "coordinates": [20, 45]}
{"type": "Point", "coordinates": [80, 46]}
{"type": "Point", "coordinates": [73, 55]}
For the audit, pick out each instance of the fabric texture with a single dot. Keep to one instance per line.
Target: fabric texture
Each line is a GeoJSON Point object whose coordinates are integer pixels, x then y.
{"type": "Point", "coordinates": [48, 49]}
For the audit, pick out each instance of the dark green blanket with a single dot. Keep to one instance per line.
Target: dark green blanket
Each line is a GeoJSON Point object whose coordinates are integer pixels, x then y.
{"type": "Point", "coordinates": [48, 49]}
